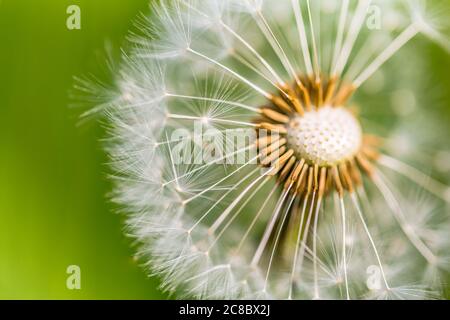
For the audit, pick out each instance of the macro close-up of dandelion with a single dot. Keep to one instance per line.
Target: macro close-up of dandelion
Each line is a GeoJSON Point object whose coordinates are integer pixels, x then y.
{"type": "Point", "coordinates": [255, 154]}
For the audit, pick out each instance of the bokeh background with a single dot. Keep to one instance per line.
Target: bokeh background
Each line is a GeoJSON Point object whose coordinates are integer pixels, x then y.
{"type": "Point", "coordinates": [53, 184]}
{"type": "Point", "coordinates": [53, 178]}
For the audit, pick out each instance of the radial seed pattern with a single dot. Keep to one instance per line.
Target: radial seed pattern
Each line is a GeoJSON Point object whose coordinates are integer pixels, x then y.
{"type": "Point", "coordinates": [314, 209]}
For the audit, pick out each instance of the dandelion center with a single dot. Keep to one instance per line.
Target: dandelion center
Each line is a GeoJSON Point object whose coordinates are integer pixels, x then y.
{"type": "Point", "coordinates": [325, 137]}
{"type": "Point", "coordinates": [314, 141]}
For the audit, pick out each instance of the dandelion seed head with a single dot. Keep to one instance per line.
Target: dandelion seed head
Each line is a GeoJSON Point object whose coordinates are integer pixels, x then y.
{"type": "Point", "coordinates": [328, 213]}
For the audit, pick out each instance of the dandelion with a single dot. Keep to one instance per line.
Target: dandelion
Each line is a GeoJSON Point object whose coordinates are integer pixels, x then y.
{"type": "Point", "coordinates": [313, 205]}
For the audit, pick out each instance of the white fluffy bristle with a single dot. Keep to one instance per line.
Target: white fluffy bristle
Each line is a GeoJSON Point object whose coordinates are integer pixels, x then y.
{"type": "Point", "coordinates": [325, 137]}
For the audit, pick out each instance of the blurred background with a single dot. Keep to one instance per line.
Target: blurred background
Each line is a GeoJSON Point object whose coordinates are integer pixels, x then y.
{"type": "Point", "coordinates": [53, 207]}
{"type": "Point", "coordinates": [53, 178]}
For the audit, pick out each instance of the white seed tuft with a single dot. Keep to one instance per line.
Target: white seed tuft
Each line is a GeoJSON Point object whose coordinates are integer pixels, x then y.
{"type": "Point", "coordinates": [200, 224]}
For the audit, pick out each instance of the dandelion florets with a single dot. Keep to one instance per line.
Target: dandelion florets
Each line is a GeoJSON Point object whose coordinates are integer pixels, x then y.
{"type": "Point", "coordinates": [327, 137]}
{"type": "Point", "coordinates": [322, 139]}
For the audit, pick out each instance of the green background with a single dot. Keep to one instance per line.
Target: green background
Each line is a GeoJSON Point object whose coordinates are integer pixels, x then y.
{"type": "Point", "coordinates": [53, 185]}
